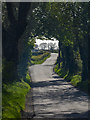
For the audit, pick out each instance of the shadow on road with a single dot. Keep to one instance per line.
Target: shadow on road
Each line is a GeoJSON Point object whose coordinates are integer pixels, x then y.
{"type": "Point", "coordinates": [54, 98]}
{"type": "Point", "coordinates": [66, 117]}
{"type": "Point", "coordinates": [68, 92]}
{"type": "Point", "coordinates": [46, 83]}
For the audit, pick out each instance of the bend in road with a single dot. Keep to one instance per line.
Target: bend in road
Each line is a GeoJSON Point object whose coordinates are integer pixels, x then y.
{"type": "Point", "coordinates": [54, 97]}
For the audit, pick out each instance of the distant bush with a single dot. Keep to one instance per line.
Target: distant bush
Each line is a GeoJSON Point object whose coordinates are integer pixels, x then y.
{"type": "Point", "coordinates": [37, 53]}
{"type": "Point", "coordinates": [40, 58]}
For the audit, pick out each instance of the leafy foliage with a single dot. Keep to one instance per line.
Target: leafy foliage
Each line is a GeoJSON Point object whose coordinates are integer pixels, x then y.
{"type": "Point", "coordinates": [67, 22]}
{"type": "Point", "coordinates": [21, 22]}
{"type": "Point", "coordinates": [40, 58]}
{"type": "Point", "coordinates": [14, 99]}
{"type": "Point", "coordinates": [75, 80]}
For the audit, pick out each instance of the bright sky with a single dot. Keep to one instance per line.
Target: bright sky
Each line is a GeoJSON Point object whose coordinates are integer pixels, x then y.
{"type": "Point", "coordinates": [38, 41]}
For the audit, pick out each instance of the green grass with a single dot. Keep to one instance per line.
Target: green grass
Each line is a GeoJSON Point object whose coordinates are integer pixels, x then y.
{"type": "Point", "coordinates": [14, 94]}
{"type": "Point", "coordinates": [40, 58]}
{"type": "Point", "coordinates": [61, 72]}
{"type": "Point", "coordinates": [14, 98]}
{"type": "Point", "coordinates": [76, 80]}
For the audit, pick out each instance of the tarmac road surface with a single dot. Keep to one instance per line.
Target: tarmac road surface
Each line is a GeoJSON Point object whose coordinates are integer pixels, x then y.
{"type": "Point", "coordinates": [53, 97]}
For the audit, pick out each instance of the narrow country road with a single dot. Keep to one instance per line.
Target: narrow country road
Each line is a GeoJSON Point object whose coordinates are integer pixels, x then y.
{"type": "Point", "coordinates": [53, 97]}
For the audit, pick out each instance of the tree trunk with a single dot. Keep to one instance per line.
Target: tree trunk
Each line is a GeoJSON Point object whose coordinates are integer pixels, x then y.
{"type": "Point", "coordinates": [59, 55]}
{"type": "Point", "coordinates": [11, 37]}
{"type": "Point", "coordinates": [63, 59]}
{"type": "Point", "coordinates": [84, 58]}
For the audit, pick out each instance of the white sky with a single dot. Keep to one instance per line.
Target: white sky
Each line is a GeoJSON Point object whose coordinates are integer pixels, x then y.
{"type": "Point", "coordinates": [38, 41]}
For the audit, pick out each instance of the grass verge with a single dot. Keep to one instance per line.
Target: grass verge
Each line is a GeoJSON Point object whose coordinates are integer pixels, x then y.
{"type": "Point", "coordinates": [13, 98]}
{"type": "Point", "coordinates": [14, 94]}
{"type": "Point", "coordinates": [76, 80]}
{"type": "Point", "coordinates": [40, 58]}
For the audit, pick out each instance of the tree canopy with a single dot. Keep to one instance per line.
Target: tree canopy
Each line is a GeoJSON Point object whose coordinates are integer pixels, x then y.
{"type": "Point", "coordinates": [66, 21]}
